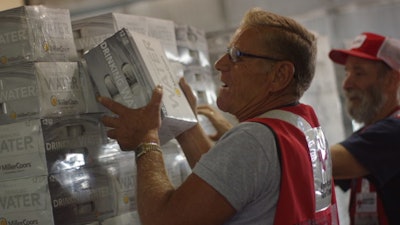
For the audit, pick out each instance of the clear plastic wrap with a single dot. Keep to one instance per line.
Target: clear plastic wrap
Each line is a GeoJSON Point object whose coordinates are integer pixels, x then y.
{"type": "Point", "coordinates": [127, 67]}
{"type": "Point", "coordinates": [36, 33]}
{"type": "Point", "coordinates": [40, 89]}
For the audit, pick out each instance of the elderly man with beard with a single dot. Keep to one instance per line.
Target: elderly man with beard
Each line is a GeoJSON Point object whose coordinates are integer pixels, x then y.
{"type": "Point", "coordinates": [369, 158]}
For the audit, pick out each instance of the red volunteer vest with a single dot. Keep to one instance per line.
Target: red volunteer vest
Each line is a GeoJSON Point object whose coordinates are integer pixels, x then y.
{"type": "Point", "coordinates": [365, 205]}
{"type": "Point", "coordinates": [297, 199]}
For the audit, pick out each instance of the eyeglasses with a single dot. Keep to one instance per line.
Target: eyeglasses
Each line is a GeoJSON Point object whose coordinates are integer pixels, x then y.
{"type": "Point", "coordinates": [235, 54]}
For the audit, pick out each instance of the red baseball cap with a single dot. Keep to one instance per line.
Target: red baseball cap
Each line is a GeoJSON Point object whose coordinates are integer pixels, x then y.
{"type": "Point", "coordinates": [373, 47]}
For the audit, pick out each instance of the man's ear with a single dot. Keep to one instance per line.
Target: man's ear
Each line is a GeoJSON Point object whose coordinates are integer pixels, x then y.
{"type": "Point", "coordinates": [392, 79]}
{"type": "Point", "coordinates": [283, 76]}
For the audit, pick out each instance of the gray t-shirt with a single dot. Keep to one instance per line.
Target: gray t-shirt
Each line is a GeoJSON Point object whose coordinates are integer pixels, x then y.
{"type": "Point", "coordinates": [244, 167]}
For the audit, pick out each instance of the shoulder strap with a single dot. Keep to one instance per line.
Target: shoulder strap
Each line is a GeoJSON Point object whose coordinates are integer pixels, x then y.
{"type": "Point", "coordinates": [326, 211]}
{"type": "Point", "coordinates": [318, 150]}
{"type": "Point", "coordinates": [288, 117]}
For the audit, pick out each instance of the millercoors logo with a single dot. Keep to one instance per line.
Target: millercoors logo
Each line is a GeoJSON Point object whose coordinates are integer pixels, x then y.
{"type": "Point", "coordinates": [53, 100]}
{"type": "Point", "coordinates": [3, 221]}
{"type": "Point", "coordinates": [3, 60]}
{"type": "Point", "coordinates": [13, 115]}
{"type": "Point", "coordinates": [8, 166]}
{"type": "Point", "coordinates": [46, 46]}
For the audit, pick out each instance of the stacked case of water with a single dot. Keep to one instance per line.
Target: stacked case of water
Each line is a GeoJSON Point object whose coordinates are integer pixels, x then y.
{"type": "Point", "coordinates": [46, 134]}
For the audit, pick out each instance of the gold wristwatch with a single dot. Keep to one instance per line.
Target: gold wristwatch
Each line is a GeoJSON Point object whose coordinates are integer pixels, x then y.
{"type": "Point", "coordinates": [146, 147]}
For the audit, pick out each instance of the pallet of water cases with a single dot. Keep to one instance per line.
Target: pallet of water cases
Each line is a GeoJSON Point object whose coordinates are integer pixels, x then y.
{"type": "Point", "coordinates": [82, 195]}
{"type": "Point", "coordinates": [50, 145]}
{"type": "Point", "coordinates": [40, 89]}
{"type": "Point", "coordinates": [36, 33]}
{"type": "Point", "coordinates": [25, 201]}
{"type": "Point", "coordinates": [81, 176]}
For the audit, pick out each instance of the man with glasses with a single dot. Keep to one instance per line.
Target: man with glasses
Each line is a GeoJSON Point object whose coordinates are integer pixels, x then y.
{"type": "Point", "coordinates": [274, 167]}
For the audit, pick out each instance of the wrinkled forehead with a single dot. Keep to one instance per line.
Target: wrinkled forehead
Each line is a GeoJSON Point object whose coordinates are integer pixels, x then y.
{"type": "Point", "coordinates": [354, 62]}
{"type": "Point", "coordinates": [247, 37]}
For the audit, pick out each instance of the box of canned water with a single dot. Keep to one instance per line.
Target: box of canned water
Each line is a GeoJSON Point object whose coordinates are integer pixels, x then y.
{"type": "Point", "coordinates": [128, 66]}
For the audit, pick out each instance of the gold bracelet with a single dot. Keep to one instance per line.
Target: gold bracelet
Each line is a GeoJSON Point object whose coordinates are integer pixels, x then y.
{"type": "Point", "coordinates": [144, 148]}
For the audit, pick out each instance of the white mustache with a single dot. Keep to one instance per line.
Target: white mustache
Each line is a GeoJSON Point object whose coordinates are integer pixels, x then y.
{"type": "Point", "coordinates": [353, 94]}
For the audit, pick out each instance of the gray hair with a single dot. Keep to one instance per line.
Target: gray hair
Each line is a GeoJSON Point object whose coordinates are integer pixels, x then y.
{"type": "Point", "coordinates": [288, 40]}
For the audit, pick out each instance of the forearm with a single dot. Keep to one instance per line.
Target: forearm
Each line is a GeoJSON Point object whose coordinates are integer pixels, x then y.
{"type": "Point", "coordinates": [344, 165]}
{"type": "Point", "coordinates": [194, 202]}
{"type": "Point", "coordinates": [153, 188]}
{"type": "Point", "coordinates": [194, 143]}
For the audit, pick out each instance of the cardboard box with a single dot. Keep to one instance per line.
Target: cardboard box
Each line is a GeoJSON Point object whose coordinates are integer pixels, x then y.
{"type": "Point", "coordinates": [122, 170]}
{"type": "Point", "coordinates": [26, 201]}
{"type": "Point", "coordinates": [82, 196]}
{"type": "Point", "coordinates": [130, 218]}
{"type": "Point", "coordinates": [90, 32]}
{"type": "Point", "coordinates": [192, 46]}
{"type": "Point", "coordinates": [74, 142]}
{"type": "Point", "coordinates": [21, 150]}
{"type": "Point", "coordinates": [36, 33]}
{"type": "Point", "coordinates": [52, 145]}
{"type": "Point", "coordinates": [40, 89]}
{"type": "Point", "coordinates": [128, 66]}
{"type": "Point", "coordinates": [79, 195]}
